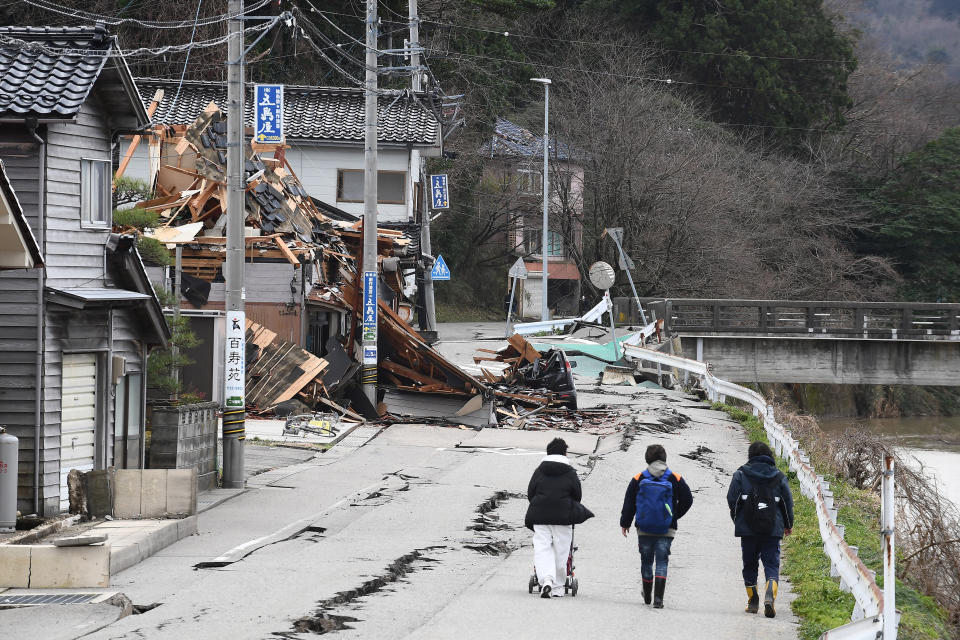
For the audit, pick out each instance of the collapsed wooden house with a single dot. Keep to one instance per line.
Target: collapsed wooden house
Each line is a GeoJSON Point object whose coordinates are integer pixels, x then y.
{"type": "Point", "coordinates": [319, 246]}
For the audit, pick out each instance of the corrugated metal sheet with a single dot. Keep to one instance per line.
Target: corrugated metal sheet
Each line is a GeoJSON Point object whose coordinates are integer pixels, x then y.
{"type": "Point", "coordinates": [78, 422]}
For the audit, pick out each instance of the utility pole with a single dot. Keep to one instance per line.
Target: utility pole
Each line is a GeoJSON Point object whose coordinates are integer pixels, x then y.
{"type": "Point", "coordinates": [544, 306]}
{"type": "Point", "coordinates": [368, 376]}
{"type": "Point", "coordinates": [425, 246]}
{"type": "Point", "coordinates": [235, 348]}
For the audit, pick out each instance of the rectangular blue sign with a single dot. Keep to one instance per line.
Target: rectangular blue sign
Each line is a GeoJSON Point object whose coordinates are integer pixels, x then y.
{"type": "Point", "coordinates": [369, 306]}
{"type": "Point", "coordinates": [268, 113]}
{"type": "Point", "coordinates": [439, 192]}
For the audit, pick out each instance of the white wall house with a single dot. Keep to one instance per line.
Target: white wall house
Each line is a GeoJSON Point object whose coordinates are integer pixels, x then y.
{"type": "Point", "coordinates": [324, 129]}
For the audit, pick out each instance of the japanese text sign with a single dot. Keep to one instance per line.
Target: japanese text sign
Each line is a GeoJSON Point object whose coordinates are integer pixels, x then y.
{"type": "Point", "coordinates": [439, 192]}
{"type": "Point", "coordinates": [268, 113]}
{"type": "Point", "coordinates": [234, 364]}
{"type": "Point", "coordinates": [369, 332]}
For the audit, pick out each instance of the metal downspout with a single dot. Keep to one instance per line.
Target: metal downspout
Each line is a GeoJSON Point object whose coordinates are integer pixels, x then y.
{"type": "Point", "coordinates": [38, 376]}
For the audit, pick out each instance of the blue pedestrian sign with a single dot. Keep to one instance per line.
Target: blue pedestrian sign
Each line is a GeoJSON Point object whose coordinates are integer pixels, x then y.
{"type": "Point", "coordinates": [268, 113]}
{"type": "Point", "coordinates": [440, 270]}
{"type": "Point", "coordinates": [439, 192]}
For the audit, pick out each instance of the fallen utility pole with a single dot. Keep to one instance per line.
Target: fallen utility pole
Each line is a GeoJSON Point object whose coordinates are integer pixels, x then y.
{"type": "Point", "coordinates": [368, 375]}
{"type": "Point", "coordinates": [234, 360]}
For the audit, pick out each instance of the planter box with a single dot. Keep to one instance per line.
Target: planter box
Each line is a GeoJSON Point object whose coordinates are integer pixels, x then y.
{"type": "Point", "coordinates": [185, 437]}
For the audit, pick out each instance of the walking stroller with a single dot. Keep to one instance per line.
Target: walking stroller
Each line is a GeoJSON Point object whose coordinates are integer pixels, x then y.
{"type": "Point", "coordinates": [570, 585]}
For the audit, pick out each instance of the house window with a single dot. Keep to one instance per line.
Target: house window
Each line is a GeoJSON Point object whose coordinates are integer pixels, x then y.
{"type": "Point", "coordinates": [391, 186]}
{"type": "Point", "coordinates": [533, 240]}
{"type": "Point", "coordinates": [529, 181]}
{"type": "Point", "coordinates": [95, 192]}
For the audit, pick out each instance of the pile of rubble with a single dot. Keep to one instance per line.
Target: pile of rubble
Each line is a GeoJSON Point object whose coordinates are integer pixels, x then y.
{"type": "Point", "coordinates": [283, 223]}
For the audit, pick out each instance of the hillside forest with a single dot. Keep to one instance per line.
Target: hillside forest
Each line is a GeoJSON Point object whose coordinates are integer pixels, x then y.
{"type": "Point", "coordinates": [802, 149]}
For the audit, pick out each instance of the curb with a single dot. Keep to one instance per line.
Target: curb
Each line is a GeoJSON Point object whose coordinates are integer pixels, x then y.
{"type": "Point", "coordinates": [124, 556]}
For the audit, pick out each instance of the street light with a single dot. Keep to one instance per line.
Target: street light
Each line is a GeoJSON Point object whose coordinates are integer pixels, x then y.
{"type": "Point", "coordinates": [545, 308]}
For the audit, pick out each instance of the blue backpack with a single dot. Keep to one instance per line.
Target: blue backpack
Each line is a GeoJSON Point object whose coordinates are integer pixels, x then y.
{"type": "Point", "coordinates": [654, 503]}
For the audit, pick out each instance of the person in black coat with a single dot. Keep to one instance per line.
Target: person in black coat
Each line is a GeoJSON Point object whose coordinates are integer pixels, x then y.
{"type": "Point", "coordinates": [655, 545]}
{"type": "Point", "coordinates": [554, 494]}
{"type": "Point", "coordinates": [750, 487]}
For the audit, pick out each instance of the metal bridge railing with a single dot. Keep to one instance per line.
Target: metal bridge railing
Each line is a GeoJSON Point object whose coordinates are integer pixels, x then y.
{"type": "Point", "coordinates": [890, 320]}
{"type": "Point", "coordinates": [868, 614]}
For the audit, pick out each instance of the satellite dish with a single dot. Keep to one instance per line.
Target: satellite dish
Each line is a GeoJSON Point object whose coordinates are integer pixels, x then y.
{"type": "Point", "coordinates": [602, 275]}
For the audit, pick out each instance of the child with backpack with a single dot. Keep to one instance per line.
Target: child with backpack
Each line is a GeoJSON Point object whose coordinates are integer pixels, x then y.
{"type": "Point", "coordinates": [761, 507]}
{"type": "Point", "coordinates": [655, 499]}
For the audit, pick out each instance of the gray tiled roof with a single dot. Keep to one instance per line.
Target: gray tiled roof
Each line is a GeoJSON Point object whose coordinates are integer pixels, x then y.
{"type": "Point", "coordinates": [311, 113]}
{"type": "Point", "coordinates": [52, 76]}
{"type": "Point", "coordinates": [512, 140]}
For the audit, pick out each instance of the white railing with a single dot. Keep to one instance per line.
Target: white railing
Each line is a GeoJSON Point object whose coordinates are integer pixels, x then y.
{"type": "Point", "coordinates": [868, 614]}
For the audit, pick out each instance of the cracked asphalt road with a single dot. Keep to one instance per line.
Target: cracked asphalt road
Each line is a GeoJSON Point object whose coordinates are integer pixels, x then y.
{"type": "Point", "coordinates": [393, 548]}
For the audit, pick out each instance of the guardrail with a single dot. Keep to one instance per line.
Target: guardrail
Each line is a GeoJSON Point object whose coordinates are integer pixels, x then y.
{"type": "Point", "coordinates": [865, 319]}
{"type": "Point", "coordinates": [868, 614]}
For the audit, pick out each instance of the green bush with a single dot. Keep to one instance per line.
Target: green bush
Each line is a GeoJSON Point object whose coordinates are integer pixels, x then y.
{"type": "Point", "coordinates": [152, 250]}
{"type": "Point", "coordinates": [136, 217]}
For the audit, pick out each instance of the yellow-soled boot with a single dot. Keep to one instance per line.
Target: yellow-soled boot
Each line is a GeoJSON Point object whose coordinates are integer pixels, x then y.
{"type": "Point", "coordinates": [753, 599]}
{"type": "Point", "coordinates": [769, 598]}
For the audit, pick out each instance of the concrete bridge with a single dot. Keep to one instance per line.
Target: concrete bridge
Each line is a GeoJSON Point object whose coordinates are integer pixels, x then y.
{"type": "Point", "coordinates": [814, 341]}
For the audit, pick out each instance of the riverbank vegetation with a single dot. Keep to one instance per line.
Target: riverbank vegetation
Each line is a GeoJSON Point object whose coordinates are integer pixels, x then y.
{"type": "Point", "coordinates": [929, 607]}
{"type": "Point", "coordinates": [865, 400]}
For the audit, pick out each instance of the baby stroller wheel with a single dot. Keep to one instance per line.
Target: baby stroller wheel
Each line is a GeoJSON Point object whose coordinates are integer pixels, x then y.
{"type": "Point", "coordinates": [532, 583]}
{"type": "Point", "coordinates": [574, 585]}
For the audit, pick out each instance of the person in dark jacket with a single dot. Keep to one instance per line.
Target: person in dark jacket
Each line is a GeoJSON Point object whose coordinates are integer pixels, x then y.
{"type": "Point", "coordinates": [760, 474]}
{"type": "Point", "coordinates": [554, 493]}
{"type": "Point", "coordinates": [655, 546]}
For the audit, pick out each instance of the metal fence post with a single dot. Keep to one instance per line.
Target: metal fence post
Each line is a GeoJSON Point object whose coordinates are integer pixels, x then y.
{"type": "Point", "coordinates": [889, 574]}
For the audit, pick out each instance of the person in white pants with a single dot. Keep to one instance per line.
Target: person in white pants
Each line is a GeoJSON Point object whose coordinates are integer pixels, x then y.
{"type": "Point", "coordinates": [554, 494]}
{"type": "Point", "coordinates": [551, 547]}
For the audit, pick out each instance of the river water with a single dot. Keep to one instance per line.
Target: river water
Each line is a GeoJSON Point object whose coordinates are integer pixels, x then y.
{"type": "Point", "coordinates": [932, 441]}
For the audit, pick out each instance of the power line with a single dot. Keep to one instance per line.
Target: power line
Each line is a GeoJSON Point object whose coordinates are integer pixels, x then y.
{"type": "Point", "coordinates": [89, 16]}
{"type": "Point", "coordinates": [731, 54]}
{"type": "Point", "coordinates": [187, 61]}
{"type": "Point", "coordinates": [29, 45]}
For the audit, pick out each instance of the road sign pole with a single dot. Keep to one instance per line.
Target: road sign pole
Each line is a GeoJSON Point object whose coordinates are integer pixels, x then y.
{"type": "Point", "coordinates": [615, 233]}
{"type": "Point", "coordinates": [234, 369]}
{"type": "Point", "coordinates": [613, 329]}
{"type": "Point", "coordinates": [513, 288]}
{"type": "Point", "coordinates": [368, 377]}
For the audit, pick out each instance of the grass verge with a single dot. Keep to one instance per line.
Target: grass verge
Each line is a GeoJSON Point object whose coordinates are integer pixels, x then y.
{"type": "Point", "coordinates": [820, 604]}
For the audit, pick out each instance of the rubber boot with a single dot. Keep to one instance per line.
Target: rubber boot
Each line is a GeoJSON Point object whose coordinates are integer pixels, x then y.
{"type": "Point", "coordinates": [658, 585]}
{"type": "Point", "coordinates": [753, 599]}
{"type": "Point", "coordinates": [769, 598]}
{"type": "Point", "coordinates": [647, 590]}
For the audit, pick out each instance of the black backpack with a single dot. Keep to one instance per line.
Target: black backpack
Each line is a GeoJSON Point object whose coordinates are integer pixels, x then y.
{"type": "Point", "coordinates": [760, 507]}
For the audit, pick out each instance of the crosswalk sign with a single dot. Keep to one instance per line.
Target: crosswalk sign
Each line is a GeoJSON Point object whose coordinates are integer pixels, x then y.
{"type": "Point", "coordinates": [440, 270]}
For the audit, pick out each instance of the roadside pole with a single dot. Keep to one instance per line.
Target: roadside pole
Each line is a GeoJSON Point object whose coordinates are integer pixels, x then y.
{"type": "Point", "coordinates": [626, 264]}
{"type": "Point", "coordinates": [517, 272]}
{"type": "Point", "coordinates": [368, 375]}
{"type": "Point", "coordinates": [425, 247]}
{"type": "Point", "coordinates": [235, 349]}
{"type": "Point", "coordinates": [888, 511]}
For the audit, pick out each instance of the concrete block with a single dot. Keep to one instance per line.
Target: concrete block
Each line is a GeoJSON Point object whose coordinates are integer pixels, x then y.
{"type": "Point", "coordinates": [181, 491]}
{"type": "Point", "coordinates": [69, 567]}
{"type": "Point", "coordinates": [98, 488]}
{"type": "Point", "coordinates": [164, 535]}
{"type": "Point", "coordinates": [186, 527]}
{"type": "Point", "coordinates": [127, 488]}
{"type": "Point", "coordinates": [15, 566]}
{"type": "Point", "coordinates": [124, 557]}
{"type": "Point", "coordinates": [153, 495]}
